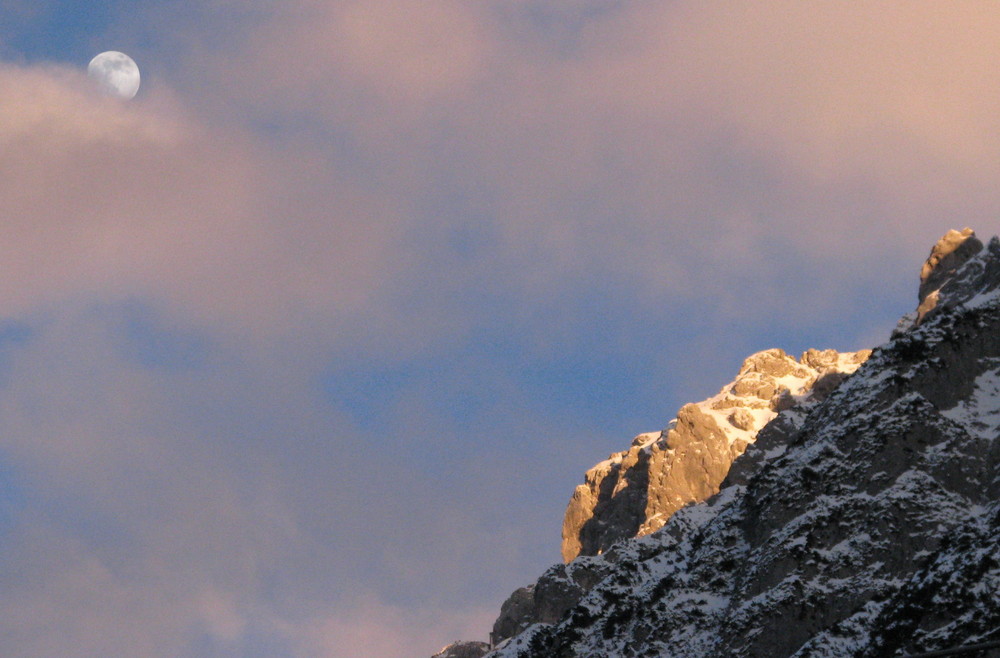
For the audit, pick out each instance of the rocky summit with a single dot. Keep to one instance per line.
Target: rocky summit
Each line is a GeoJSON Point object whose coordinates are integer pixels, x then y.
{"type": "Point", "coordinates": [463, 650]}
{"type": "Point", "coordinates": [635, 492]}
{"type": "Point", "coordinates": [832, 505]}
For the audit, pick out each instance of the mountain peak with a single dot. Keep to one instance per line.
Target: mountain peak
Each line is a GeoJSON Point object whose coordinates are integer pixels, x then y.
{"type": "Point", "coordinates": [947, 255]}
{"type": "Point", "coordinates": [634, 492]}
{"type": "Point", "coordinates": [859, 514]}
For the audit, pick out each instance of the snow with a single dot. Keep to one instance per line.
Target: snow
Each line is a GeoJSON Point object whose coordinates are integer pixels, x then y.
{"type": "Point", "coordinates": [775, 452]}
{"type": "Point", "coordinates": [979, 414]}
{"type": "Point", "coordinates": [796, 386]}
{"type": "Point", "coordinates": [720, 406]}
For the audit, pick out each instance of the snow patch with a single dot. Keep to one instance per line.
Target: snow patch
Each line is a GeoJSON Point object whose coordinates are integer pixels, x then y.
{"type": "Point", "coordinates": [979, 414]}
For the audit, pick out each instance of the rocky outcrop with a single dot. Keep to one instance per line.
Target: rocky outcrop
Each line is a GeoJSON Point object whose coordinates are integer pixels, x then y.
{"type": "Point", "coordinates": [865, 524]}
{"type": "Point", "coordinates": [463, 650]}
{"type": "Point", "coordinates": [946, 257]}
{"type": "Point", "coordinates": [518, 612]}
{"type": "Point", "coordinates": [556, 592]}
{"type": "Point", "coordinates": [634, 492]}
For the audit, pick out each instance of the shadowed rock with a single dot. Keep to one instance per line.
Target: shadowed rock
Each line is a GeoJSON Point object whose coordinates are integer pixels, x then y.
{"type": "Point", "coordinates": [947, 255]}
{"type": "Point", "coordinates": [557, 591]}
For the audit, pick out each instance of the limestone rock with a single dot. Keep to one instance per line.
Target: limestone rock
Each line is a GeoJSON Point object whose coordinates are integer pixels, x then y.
{"type": "Point", "coordinates": [946, 257]}
{"type": "Point", "coordinates": [463, 650]}
{"type": "Point", "coordinates": [819, 359]}
{"type": "Point", "coordinates": [742, 419]}
{"type": "Point", "coordinates": [635, 492]}
{"type": "Point", "coordinates": [558, 590]}
{"type": "Point", "coordinates": [516, 613]}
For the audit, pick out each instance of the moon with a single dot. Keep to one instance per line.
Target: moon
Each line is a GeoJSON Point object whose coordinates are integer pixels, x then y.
{"type": "Point", "coordinates": [115, 73]}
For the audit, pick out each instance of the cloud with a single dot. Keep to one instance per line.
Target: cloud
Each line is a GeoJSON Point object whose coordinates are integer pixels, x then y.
{"type": "Point", "coordinates": [135, 530]}
{"type": "Point", "coordinates": [378, 54]}
{"type": "Point", "coordinates": [108, 198]}
{"type": "Point", "coordinates": [163, 509]}
{"type": "Point", "coordinates": [166, 493]}
{"type": "Point", "coordinates": [762, 135]}
{"type": "Point", "coordinates": [377, 629]}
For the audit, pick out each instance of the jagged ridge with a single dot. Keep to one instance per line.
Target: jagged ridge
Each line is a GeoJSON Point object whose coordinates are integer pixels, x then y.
{"type": "Point", "coordinates": [867, 524]}
{"type": "Point", "coordinates": [634, 492]}
{"type": "Point", "coordinates": [866, 529]}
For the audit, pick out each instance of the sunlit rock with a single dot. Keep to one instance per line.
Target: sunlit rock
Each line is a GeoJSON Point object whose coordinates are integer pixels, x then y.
{"type": "Point", "coordinates": [464, 650]}
{"type": "Point", "coordinates": [947, 255]}
{"type": "Point", "coordinates": [636, 491]}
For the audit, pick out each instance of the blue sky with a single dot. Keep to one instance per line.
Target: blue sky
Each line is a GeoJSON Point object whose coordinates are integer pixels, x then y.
{"type": "Point", "coordinates": [304, 349]}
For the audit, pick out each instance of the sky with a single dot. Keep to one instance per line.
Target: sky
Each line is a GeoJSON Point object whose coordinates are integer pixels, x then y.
{"type": "Point", "coordinates": [304, 349]}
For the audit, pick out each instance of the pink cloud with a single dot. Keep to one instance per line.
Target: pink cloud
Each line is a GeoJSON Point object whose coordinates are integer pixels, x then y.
{"type": "Point", "coordinates": [106, 198]}
{"type": "Point", "coordinates": [223, 503]}
{"type": "Point", "coordinates": [357, 58]}
{"type": "Point", "coordinates": [657, 126]}
{"type": "Point", "coordinates": [374, 628]}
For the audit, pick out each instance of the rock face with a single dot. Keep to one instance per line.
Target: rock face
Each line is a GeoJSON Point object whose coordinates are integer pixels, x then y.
{"type": "Point", "coordinates": [947, 255]}
{"type": "Point", "coordinates": [951, 252]}
{"type": "Point", "coordinates": [863, 524]}
{"type": "Point", "coordinates": [556, 592]}
{"type": "Point", "coordinates": [634, 492]}
{"type": "Point", "coordinates": [463, 650]}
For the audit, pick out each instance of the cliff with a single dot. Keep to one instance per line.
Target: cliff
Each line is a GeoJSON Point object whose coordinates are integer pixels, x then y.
{"type": "Point", "coordinates": [634, 492]}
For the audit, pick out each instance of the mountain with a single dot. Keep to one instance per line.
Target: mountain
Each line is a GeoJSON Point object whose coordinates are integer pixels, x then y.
{"type": "Point", "coordinates": [634, 492]}
{"type": "Point", "coordinates": [463, 650]}
{"type": "Point", "coordinates": [863, 519]}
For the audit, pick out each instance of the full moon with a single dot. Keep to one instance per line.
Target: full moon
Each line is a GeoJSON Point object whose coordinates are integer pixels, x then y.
{"type": "Point", "coordinates": [115, 73]}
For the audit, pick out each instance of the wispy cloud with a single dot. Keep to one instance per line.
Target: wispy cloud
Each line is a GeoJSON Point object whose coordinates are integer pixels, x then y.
{"type": "Point", "coordinates": [616, 140]}
{"type": "Point", "coordinates": [106, 198]}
